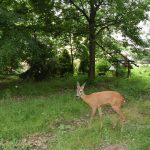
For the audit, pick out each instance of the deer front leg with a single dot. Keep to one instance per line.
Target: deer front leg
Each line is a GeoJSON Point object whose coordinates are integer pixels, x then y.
{"type": "Point", "coordinates": [100, 115]}
{"type": "Point", "coordinates": [92, 114]}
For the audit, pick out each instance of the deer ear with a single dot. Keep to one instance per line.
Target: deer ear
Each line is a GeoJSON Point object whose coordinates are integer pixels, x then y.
{"type": "Point", "coordinates": [78, 84]}
{"type": "Point", "coordinates": [83, 85]}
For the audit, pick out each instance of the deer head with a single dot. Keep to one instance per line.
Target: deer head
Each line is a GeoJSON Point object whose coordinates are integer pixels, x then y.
{"type": "Point", "coordinates": [80, 89]}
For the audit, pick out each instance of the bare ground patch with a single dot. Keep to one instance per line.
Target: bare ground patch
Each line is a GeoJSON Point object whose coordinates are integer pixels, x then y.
{"type": "Point", "coordinates": [38, 141]}
{"type": "Point", "coordinates": [114, 147]}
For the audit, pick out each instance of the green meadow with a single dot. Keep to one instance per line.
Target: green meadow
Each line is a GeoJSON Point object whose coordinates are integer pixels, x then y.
{"type": "Point", "coordinates": [47, 114]}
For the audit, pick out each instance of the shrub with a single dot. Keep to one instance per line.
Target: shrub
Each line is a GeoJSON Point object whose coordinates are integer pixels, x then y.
{"type": "Point", "coordinates": [102, 66]}
{"type": "Point", "coordinates": [84, 62]}
{"type": "Point", "coordinates": [122, 71]}
{"type": "Point", "coordinates": [65, 65]}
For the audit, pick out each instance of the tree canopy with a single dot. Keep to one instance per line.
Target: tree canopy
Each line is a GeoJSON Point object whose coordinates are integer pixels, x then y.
{"type": "Point", "coordinates": [37, 32]}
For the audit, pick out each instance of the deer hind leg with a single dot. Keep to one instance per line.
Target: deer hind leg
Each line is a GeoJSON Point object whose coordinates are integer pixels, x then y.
{"type": "Point", "coordinates": [119, 112]}
{"type": "Point", "coordinates": [100, 115]}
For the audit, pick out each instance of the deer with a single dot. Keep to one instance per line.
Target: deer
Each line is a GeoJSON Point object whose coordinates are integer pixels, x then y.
{"type": "Point", "coordinates": [98, 99]}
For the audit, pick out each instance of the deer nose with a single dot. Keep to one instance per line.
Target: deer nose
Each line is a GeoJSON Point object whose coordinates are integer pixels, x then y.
{"type": "Point", "coordinates": [77, 95]}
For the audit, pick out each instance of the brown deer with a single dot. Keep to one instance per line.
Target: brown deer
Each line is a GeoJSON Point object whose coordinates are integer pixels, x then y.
{"type": "Point", "coordinates": [98, 99]}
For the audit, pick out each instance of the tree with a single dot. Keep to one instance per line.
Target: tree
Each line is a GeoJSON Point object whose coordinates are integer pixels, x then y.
{"type": "Point", "coordinates": [26, 35]}
{"type": "Point", "coordinates": [110, 15]}
{"type": "Point", "coordinates": [72, 31]}
{"type": "Point", "coordinates": [33, 31]}
{"type": "Point", "coordinates": [11, 38]}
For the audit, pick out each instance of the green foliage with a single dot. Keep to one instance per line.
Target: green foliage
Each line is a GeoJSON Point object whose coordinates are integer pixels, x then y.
{"type": "Point", "coordinates": [65, 63]}
{"type": "Point", "coordinates": [102, 66]}
{"type": "Point", "coordinates": [84, 60]}
{"type": "Point", "coordinates": [83, 67]}
{"type": "Point", "coordinates": [146, 59]}
{"type": "Point", "coordinates": [42, 61]}
{"type": "Point", "coordinates": [22, 37]}
{"type": "Point", "coordinates": [10, 41]}
{"type": "Point", "coordinates": [32, 31]}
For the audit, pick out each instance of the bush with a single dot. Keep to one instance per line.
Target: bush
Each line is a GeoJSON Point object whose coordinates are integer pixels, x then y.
{"type": "Point", "coordinates": [83, 67]}
{"type": "Point", "coordinates": [65, 63]}
{"type": "Point", "coordinates": [84, 62]}
{"type": "Point", "coordinates": [122, 71]}
{"type": "Point", "coordinates": [102, 66]}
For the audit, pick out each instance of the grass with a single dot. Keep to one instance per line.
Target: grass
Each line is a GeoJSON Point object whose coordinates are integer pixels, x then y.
{"type": "Point", "coordinates": [50, 106]}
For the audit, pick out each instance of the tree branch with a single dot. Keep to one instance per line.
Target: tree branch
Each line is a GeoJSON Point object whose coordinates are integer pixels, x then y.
{"type": "Point", "coordinates": [81, 10]}
{"type": "Point", "coordinates": [82, 6]}
{"type": "Point", "coordinates": [111, 55]}
{"type": "Point", "coordinates": [98, 4]}
{"type": "Point", "coordinates": [104, 27]}
{"type": "Point", "coordinates": [107, 25]}
{"type": "Point", "coordinates": [104, 49]}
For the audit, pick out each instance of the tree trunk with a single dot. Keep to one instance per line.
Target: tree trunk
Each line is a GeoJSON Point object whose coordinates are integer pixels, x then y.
{"type": "Point", "coordinates": [71, 51]}
{"type": "Point", "coordinates": [129, 69]}
{"type": "Point", "coordinates": [92, 44]}
{"type": "Point", "coordinates": [92, 32]}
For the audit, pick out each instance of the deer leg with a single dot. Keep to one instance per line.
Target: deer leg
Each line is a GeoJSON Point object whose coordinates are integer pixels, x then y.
{"type": "Point", "coordinates": [100, 115]}
{"type": "Point", "coordinates": [119, 112]}
{"type": "Point", "coordinates": [115, 123]}
{"type": "Point", "coordinates": [92, 114]}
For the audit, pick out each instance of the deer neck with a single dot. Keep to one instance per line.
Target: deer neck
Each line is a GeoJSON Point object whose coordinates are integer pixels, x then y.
{"type": "Point", "coordinates": [83, 97]}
